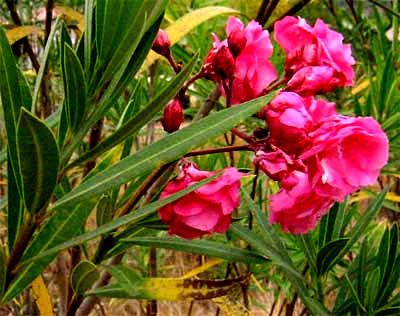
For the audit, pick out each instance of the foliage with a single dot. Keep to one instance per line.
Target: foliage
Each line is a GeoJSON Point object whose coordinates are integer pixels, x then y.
{"type": "Point", "coordinates": [80, 138]}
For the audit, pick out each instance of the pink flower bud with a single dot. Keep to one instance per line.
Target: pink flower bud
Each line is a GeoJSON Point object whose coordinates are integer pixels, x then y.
{"type": "Point", "coordinates": [236, 42]}
{"type": "Point", "coordinates": [223, 63]}
{"type": "Point", "coordinates": [172, 116]}
{"type": "Point", "coordinates": [162, 44]}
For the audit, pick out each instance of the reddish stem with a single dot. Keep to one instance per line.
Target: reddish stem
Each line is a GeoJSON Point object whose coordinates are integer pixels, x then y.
{"type": "Point", "coordinates": [242, 135]}
{"type": "Point", "coordinates": [274, 85]}
{"type": "Point", "coordinates": [219, 150]}
{"type": "Point", "coordinates": [173, 64]}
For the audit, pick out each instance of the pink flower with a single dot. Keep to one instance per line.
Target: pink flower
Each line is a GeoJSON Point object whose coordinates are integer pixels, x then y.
{"type": "Point", "coordinates": [346, 153]}
{"type": "Point", "coordinates": [296, 206]}
{"type": "Point", "coordinates": [276, 164]}
{"type": "Point", "coordinates": [172, 116]}
{"type": "Point", "coordinates": [308, 46]}
{"type": "Point", "coordinates": [312, 80]}
{"type": "Point", "coordinates": [253, 71]}
{"type": "Point", "coordinates": [162, 44]}
{"type": "Point", "coordinates": [206, 210]}
{"type": "Point", "coordinates": [251, 47]}
{"type": "Point", "coordinates": [290, 117]}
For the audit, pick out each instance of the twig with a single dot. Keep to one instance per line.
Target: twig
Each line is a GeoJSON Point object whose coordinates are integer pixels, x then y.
{"type": "Point", "coordinates": [268, 11]}
{"type": "Point", "coordinates": [28, 48]}
{"type": "Point", "coordinates": [209, 103]}
{"type": "Point", "coordinates": [261, 10]}
{"type": "Point", "coordinates": [292, 11]}
{"type": "Point", "coordinates": [86, 305]}
{"type": "Point", "coordinates": [152, 272]}
{"type": "Point", "coordinates": [49, 17]}
{"type": "Point", "coordinates": [219, 150]}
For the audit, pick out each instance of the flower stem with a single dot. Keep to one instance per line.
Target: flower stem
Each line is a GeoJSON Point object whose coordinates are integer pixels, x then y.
{"type": "Point", "coordinates": [218, 150]}
{"type": "Point", "coordinates": [174, 65]}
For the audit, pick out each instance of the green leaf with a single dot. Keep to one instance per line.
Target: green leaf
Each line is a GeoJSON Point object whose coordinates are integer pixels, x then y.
{"type": "Point", "coordinates": [3, 272]}
{"type": "Point", "coordinates": [328, 254]}
{"type": "Point", "coordinates": [372, 290]}
{"type": "Point", "coordinates": [339, 220]}
{"type": "Point", "coordinates": [38, 156]}
{"type": "Point", "coordinates": [386, 311]}
{"type": "Point", "coordinates": [285, 265]}
{"type": "Point", "coordinates": [12, 99]}
{"type": "Point", "coordinates": [84, 275]}
{"type": "Point", "coordinates": [388, 263]}
{"type": "Point", "coordinates": [88, 36]}
{"type": "Point", "coordinates": [108, 33]}
{"type": "Point", "coordinates": [65, 215]}
{"type": "Point", "coordinates": [354, 293]}
{"type": "Point", "coordinates": [166, 150]}
{"type": "Point", "coordinates": [113, 90]}
{"type": "Point", "coordinates": [43, 62]}
{"type": "Point", "coordinates": [328, 225]}
{"type": "Point", "coordinates": [15, 208]}
{"type": "Point", "coordinates": [134, 124]}
{"type": "Point", "coordinates": [122, 52]}
{"type": "Point", "coordinates": [74, 88]}
{"type": "Point", "coordinates": [201, 247]}
{"type": "Point", "coordinates": [359, 228]}
{"type": "Point", "coordinates": [60, 227]}
{"type": "Point", "coordinates": [104, 212]}
{"type": "Point", "coordinates": [267, 232]}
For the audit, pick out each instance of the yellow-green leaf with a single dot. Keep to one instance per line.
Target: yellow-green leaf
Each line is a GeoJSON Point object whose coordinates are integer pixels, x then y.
{"type": "Point", "coordinates": [19, 32]}
{"type": "Point", "coordinates": [71, 15]}
{"type": "Point", "coordinates": [187, 23]}
{"type": "Point", "coordinates": [41, 296]}
{"type": "Point", "coordinates": [131, 285]}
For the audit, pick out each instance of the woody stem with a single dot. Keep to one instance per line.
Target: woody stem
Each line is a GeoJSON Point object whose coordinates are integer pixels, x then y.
{"type": "Point", "coordinates": [218, 150]}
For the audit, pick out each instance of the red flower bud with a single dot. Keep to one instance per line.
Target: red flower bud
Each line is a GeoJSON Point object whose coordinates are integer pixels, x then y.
{"type": "Point", "coordinates": [162, 44]}
{"type": "Point", "coordinates": [172, 116]}
{"type": "Point", "coordinates": [223, 62]}
{"type": "Point", "coordinates": [236, 42]}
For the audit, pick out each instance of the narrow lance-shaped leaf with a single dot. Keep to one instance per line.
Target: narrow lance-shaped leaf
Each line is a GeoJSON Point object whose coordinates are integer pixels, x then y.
{"type": "Point", "coordinates": [166, 150]}
{"type": "Point", "coordinates": [12, 99]}
{"type": "Point", "coordinates": [43, 62]}
{"type": "Point", "coordinates": [108, 33]}
{"type": "Point", "coordinates": [63, 225]}
{"type": "Point", "coordinates": [128, 219]}
{"type": "Point", "coordinates": [171, 289]}
{"type": "Point", "coordinates": [114, 89]}
{"type": "Point", "coordinates": [74, 87]}
{"type": "Point", "coordinates": [15, 208]}
{"type": "Point", "coordinates": [3, 272]}
{"type": "Point", "coordinates": [56, 235]}
{"type": "Point", "coordinates": [38, 156]}
{"type": "Point", "coordinates": [133, 125]}
{"type": "Point", "coordinates": [328, 254]}
{"type": "Point", "coordinates": [202, 247]}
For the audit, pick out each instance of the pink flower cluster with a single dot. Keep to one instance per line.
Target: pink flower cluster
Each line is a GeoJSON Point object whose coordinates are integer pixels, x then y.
{"type": "Point", "coordinates": [241, 62]}
{"type": "Point", "coordinates": [318, 156]}
{"type": "Point", "coordinates": [317, 60]}
{"type": "Point", "coordinates": [206, 210]}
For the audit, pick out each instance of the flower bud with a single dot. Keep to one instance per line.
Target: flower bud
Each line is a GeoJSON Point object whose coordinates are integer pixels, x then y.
{"type": "Point", "coordinates": [172, 116]}
{"type": "Point", "coordinates": [223, 63]}
{"type": "Point", "coordinates": [236, 42]}
{"type": "Point", "coordinates": [162, 44]}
